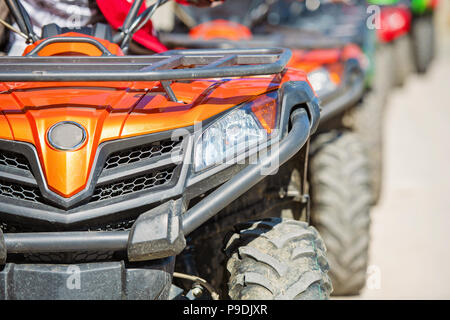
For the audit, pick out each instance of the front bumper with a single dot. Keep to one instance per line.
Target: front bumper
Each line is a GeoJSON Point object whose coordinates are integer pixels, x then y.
{"type": "Point", "coordinates": [88, 281]}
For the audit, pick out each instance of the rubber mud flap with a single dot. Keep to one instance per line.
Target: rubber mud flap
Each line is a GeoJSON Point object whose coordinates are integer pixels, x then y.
{"type": "Point", "coordinates": [158, 233]}
{"type": "Point", "coordinates": [88, 281]}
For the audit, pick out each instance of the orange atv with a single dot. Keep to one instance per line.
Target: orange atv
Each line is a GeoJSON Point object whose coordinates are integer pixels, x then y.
{"type": "Point", "coordinates": [108, 162]}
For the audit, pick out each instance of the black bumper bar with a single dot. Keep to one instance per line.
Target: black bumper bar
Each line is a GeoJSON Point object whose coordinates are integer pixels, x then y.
{"type": "Point", "coordinates": [137, 241]}
{"type": "Point", "coordinates": [65, 241]}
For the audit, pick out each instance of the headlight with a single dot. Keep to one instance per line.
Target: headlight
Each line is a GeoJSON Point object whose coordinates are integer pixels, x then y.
{"type": "Point", "coordinates": [240, 129]}
{"type": "Point", "coordinates": [321, 81]}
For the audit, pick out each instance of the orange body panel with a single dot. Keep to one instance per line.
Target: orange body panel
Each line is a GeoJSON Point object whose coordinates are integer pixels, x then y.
{"type": "Point", "coordinates": [220, 29]}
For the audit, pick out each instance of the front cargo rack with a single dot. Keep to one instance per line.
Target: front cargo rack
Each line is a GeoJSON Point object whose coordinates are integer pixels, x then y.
{"type": "Point", "coordinates": [171, 65]}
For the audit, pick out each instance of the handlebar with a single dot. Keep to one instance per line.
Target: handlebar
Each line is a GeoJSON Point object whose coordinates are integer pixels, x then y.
{"type": "Point", "coordinates": [133, 22]}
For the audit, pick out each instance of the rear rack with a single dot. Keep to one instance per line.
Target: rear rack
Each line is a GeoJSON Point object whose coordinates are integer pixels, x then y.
{"type": "Point", "coordinates": [171, 65]}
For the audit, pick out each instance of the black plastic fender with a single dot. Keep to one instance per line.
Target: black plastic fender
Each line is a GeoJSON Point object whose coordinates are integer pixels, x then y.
{"type": "Point", "coordinates": [295, 93]}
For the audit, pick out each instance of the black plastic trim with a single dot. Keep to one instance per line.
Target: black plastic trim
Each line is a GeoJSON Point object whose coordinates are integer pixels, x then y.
{"type": "Point", "coordinates": [17, 175]}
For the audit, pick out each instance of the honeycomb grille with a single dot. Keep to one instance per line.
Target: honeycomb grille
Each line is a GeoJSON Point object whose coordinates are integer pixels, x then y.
{"type": "Point", "coordinates": [124, 225]}
{"type": "Point", "coordinates": [11, 159]}
{"type": "Point", "coordinates": [143, 152]}
{"type": "Point", "coordinates": [121, 225]}
{"type": "Point", "coordinates": [21, 192]}
{"type": "Point", "coordinates": [160, 177]}
{"type": "Point", "coordinates": [61, 257]}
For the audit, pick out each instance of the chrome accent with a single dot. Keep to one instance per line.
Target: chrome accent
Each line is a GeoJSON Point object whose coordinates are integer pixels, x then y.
{"type": "Point", "coordinates": [76, 145]}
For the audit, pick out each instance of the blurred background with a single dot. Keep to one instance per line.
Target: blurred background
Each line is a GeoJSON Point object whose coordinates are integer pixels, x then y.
{"type": "Point", "coordinates": [409, 254]}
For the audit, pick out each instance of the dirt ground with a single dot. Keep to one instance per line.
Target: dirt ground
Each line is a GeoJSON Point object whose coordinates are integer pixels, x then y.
{"type": "Point", "coordinates": [410, 252]}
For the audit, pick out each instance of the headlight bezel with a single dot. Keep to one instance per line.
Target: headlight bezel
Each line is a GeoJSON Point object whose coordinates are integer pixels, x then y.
{"type": "Point", "coordinates": [249, 148]}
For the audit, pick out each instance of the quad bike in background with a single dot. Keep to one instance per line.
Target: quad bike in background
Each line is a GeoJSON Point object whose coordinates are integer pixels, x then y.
{"type": "Point", "coordinates": [423, 33]}
{"type": "Point", "coordinates": [348, 22]}
{"type": "Point", "coordinates": [407, 30]}
{"type": "Point", "coordinates": [108, 162]}
{"type": "Point", "coordinates": [339, 175]}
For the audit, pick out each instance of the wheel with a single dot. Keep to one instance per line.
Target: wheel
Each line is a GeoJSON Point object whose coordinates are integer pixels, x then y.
{"type": "Point", "coordinates": [341, 201]}
{"type": "Point", "coordinates": [275, 196]}
{"type": "Point", "coordinates": [423, 34]}
{"type": "Point", "coordinates": [403, 59]}
{"type": "Point", "coordinates": [367, 119]}
{"type": "Point", "coordinates": [385, 75]}
{"type": "Point", "coordinates": [368, 124]}
{"type": "Point", "coordinates": [277, 258]}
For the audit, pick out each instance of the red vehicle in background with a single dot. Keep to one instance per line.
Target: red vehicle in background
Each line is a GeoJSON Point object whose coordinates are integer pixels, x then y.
{"type": "Point", "coordinates": [394, 36]}
{"type": "Point", "coordinates": [409, 26]}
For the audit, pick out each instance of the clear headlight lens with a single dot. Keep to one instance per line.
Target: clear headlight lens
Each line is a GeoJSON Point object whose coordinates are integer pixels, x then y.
{"type": "Point", "coordinates": [321, 82]}
{"type": "Point", "coordinates": [236, 132]}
